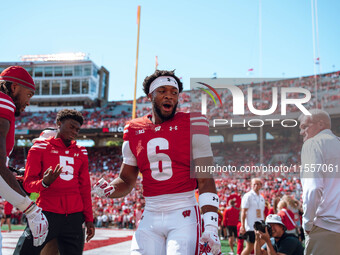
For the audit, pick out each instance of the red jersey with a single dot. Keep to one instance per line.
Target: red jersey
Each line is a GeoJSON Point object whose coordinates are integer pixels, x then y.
{"type": "Point", "coordinates": [266, 211]}
{"type": "Point", "coordinates": [271, 211]}
{"type": "Point", "coordinates": [7, 110]}
{"type": "Point", "coordinates": [237, 199]}
{"type": "Point", "coordinates": [231, 216]}
{"type": "Point", "coordinates": [8, 207]}
{"type": "Point", "coordinates": [163, 152]}
{"type": "Point", "coordinates": [287, 217]}
{"type": "Point", "coordinates": [71, 191]}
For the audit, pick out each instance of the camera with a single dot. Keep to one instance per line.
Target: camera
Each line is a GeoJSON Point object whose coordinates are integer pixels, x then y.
{"type": "Point", "coordinates": [19, 172]}
{"type": "Point", "coordinates": [19, 176]}
{"type": "Point", "coordinates": [261, 226]}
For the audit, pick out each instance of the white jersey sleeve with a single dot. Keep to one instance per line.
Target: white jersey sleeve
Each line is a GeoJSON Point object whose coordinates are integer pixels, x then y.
{"type": "Point", "coordinates": [17, 200]}
{"type": "Point", "coordinates": [128, 157]}
{"type": "Point", "coordinates": [201, 147]}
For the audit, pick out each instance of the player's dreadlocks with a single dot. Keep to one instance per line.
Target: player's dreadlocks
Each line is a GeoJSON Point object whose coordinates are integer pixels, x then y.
{"type": "Point", "coordinates": [70, 114]}
{"type": "Point", "coordinates": [149, 79]}
{"type": "Point", "coordinates": [5, 87]}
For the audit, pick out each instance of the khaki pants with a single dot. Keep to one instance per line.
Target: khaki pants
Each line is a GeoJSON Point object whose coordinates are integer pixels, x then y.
{"type": "Point", "coordinates": [322, 242]}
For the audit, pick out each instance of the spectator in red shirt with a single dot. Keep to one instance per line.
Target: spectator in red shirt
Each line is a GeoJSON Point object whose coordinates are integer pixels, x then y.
{"type": "Point", "coordinates": [287, 217]}
{"type": "Point", "coordinates": [266, 208]}
{"type": "Point", "coordinates": [240, 242]}
{"type": "Point", "coordinates": [237, 199]}
{"type": "Point", "coordinates": [273, 210]}
{"type": "Point", "coordinates": [231, 217]}
{"type": "Point", "coordinates": [138, 214]}
{"type": "Point", "coordinates": [8, 207]}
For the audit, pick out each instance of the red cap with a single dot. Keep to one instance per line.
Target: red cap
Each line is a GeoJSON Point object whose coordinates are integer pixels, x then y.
{"type": "Point", "coordinates": [19, 75]}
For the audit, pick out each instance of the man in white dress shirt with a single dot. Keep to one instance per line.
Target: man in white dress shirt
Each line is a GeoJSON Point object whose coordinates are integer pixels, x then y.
{"type": "Point", "coordinates": [320, 162]}
{"type": "Point", "coordinates": [252, 209]}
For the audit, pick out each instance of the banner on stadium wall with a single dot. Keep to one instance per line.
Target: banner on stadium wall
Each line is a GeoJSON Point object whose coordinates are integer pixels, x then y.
{"type": "Point", "coordinates": [113, 130]}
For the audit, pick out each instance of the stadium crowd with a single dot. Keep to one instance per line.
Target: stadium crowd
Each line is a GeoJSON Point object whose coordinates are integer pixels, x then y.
{"type": "Point", "coordinates": [327, 87]}
{"type": "Point", "coordinates": [114, 115]}
{"type": "Point", "coordinates": [105, 162]}
{"type": "Point", "coordinates": [281, 191]}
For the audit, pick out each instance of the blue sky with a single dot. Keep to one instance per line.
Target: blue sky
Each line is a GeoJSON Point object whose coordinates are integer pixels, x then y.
{"type": "Point", "coordinates": [197, 38]}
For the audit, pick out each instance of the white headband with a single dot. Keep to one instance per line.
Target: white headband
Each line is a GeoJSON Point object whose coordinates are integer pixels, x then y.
{"type": "Point", "coordinates": [163, 81]}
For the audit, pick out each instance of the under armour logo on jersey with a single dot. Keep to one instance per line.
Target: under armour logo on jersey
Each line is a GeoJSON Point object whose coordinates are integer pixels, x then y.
{"type": "Point", "coordinates": [213, 218]}
{"type": "Point", "coordinates": [215, 199]}
{"type": "Point", "coordinates": [76, 154]}
{"type": "Point", "coordinates": [157, 128]}
{"type": "Point", "coordinates": [186, 213]}
{"type": "Point", "coordinates": [66, 152]}
{"type": "Point", "coordinates": [171, 128]}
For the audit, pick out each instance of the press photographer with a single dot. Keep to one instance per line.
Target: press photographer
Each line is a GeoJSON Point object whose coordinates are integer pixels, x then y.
{"type": "Point", "coordinates": [271, 238]}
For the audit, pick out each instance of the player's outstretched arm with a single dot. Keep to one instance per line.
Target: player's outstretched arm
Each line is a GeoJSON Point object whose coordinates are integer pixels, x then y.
{"type": "Point", "coordinates": [12, 192]}
{"type": "Point", "coordinates": [206, 182]}
{"type": "Point", "coordinates": [126, 180]}
{"type": "Point", "coordinates": [120, 186]}
{"type": "Point", "coordinates": [6, 175]}
{"type": "Point", "coordinates": [209, 203]}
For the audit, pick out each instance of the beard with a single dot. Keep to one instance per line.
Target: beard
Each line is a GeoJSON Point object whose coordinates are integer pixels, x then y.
{"type": "Point", "coordinates": [159, 112]}
{"type": "Point", "coordinates": [6, 88]}
{"type": "Point", "coordinates": [17, 105]}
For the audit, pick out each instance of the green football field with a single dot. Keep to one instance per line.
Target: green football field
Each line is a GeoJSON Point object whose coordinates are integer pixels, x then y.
{"type": "Point", "coordinates": [14, 227]}
{"type": "Point", "coordinates": [226, 248]}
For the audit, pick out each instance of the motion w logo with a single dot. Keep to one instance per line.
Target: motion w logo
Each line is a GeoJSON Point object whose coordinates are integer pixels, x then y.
{"type": "Point", "coordinates": [186, 213]}
{"type": "Point", "coordinates": [302, 96]}
{"type": "Point", "coordinates": [204, 97]}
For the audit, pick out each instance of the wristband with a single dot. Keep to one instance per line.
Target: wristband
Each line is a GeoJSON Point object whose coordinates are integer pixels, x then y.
{"type": "Point", "coordinates": [29, 208]}
{"type": "Point", "coordinates": [210, 218]}
{"type": "Point", "coordinates": [24, 204]}
{"type": "Point", "coordinates": [208, 198]}
{"type": "Point", "coordinates": [44, 185]}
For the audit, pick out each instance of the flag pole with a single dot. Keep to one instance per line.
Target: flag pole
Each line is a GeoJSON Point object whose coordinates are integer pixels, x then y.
{"type": "Point", "coordinates": [135, 91]}
{"type": "Point", "coordinates": [260, 75]}
{"type": "Point", "coordinates": [156, 63]}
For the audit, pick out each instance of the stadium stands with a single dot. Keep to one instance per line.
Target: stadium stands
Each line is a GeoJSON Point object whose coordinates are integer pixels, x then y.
{"type": "Point", "coordinates": [117, 113]}
{"type": "Point", "coordinates": [105, 161]}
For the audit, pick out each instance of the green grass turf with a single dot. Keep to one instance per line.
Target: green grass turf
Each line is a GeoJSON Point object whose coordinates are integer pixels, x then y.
{"type": "Point", "coordinates": [14, 227]}
{"type": "Point", "coordinates": [225, 248]}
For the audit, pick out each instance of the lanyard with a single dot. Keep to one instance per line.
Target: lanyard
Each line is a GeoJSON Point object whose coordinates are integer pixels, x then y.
{"type": "Point", "coordinates": [258, 200]}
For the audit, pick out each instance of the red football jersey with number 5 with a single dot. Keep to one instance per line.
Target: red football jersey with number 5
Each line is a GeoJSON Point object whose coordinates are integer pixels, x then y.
{"type": "Point", "coordinates": [163, 153]}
